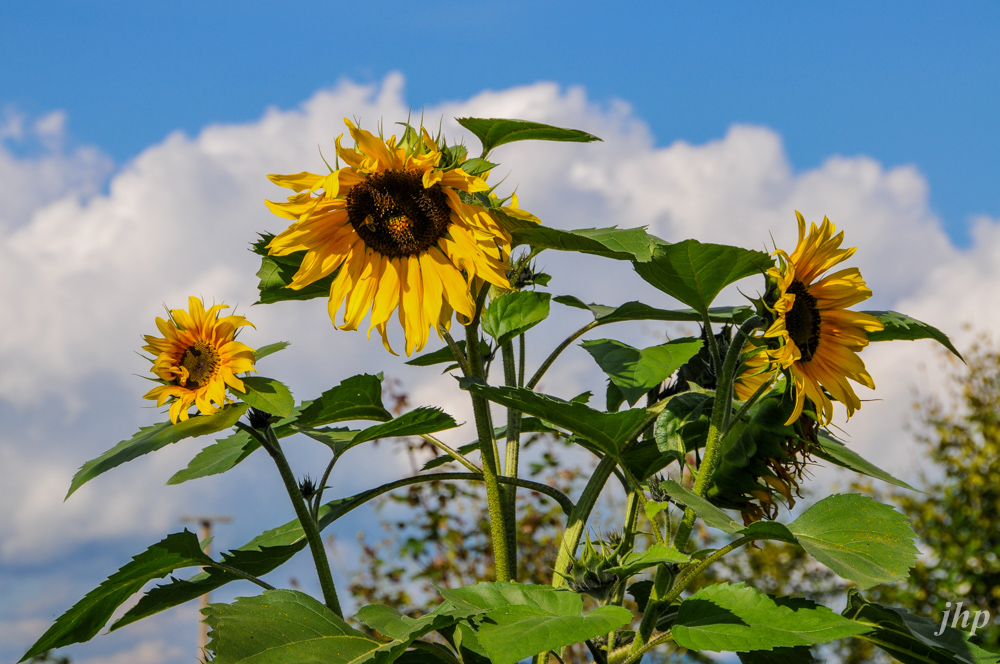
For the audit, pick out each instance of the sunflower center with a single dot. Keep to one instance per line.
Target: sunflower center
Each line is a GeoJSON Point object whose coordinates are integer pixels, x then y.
{"type": "Point", "coordinates": [395, 215]}
{"type": "Point", "coordinates": [802, 322]}
{"type": "Point", "coordinates": [200, 360]}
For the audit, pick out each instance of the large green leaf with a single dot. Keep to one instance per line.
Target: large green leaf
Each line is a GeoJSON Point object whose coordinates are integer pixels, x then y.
{"type": "Point", "coordinates": [525, 620]}
{"type": "Point", "coordinates": [276, 273]}
{"type": "Point", "coordinates": [735, 618]}
{"type": "Point", "coordinates": [268, 395]}
{"type": "Point", "coordinates": [283, 626]}
{"type": "Point", "coordinates": [912, 639]}
{"type": "Point", "coordinates": [836, 452]}
{"type": "Point", "coordinates": [492, 132]}
{"type": "Point", "coordinates": [149, 439]}
{"type": "Point", "coordinates": [225, 453]}
{"type": "Point", "coordinates": [608, 431]}
{"type": "Point", "coordinates": [86, 618]}
{"type": "Point", "coordinates": [635, 371]}
{"type": "Point", "coordinates": [627, 244]}
{"type": "Point", "coordinates": [902, 327]}
{"type": "Point", "coordinates": [178, 591]}
{"type": "Point", "coordinates": [403, 630]}
{"type": "Point", "coordinates": [859, 538]}
{"type": "Point", "coordinates": [695, 273]}
{"type": "Point", "coordinates": [413, 423]}
{"type": "Point", "coordinates": [356, 398]}
{"type": "Point", "coordinates": [636, 561]}
{"type": "Point", "coordinates": [709, 513]}
{"type": "Point", "coordinates": [638, 311]}
{"type": "Point", "coordinates": [514, 313]}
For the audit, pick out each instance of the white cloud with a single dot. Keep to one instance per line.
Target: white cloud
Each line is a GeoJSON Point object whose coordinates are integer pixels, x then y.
{"type": "Point", "coordinates": [83, 273]}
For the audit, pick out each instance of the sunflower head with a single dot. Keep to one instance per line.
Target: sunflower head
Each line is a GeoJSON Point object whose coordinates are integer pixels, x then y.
{"type": "Point", "coordinates": [196, 358]}
{"type": "Point", "coordinates": [406, 226]}
{"type": "Point", "coordinates": [819, 337]}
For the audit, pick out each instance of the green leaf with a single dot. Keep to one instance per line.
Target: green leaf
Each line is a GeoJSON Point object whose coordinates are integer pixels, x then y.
{"type": "Point", "coordinates": [264, 351]}
{"type": "Point", "coordinates": [413, 423]}
{"type": "Point", "coordinates": [492, 132]}
{"type": "Point", "coordinates": [637, 371]}
{"type": "Point", "coordinates": [403, 630]}
{"type": "Point", "coordinates": [225, 453]}
{"type": "Point", "coordinates": [86, 618]}
{"type": "Point", "coordinates": [178, 591]}
{"type": "Point", "coordinates": [912, 639]}
{"type": "Point", "coordinates": [608, 431]}
{"type": "Point", "coordinates": [859, 538]}
{"type": "Point", "coordinates": [683, 423]}
{"type": "Point", "coordinates": [638, 311]}
{"type": "Point", "coordinates": [695, 273]}
{"type": "Point", "coordinates": [769, 530]}
{"type": "Point", "coordinates": [524, 620]}
{"type": "Point", "coordinates": [276, 272]}
{"type": "Point", "coordinates": [514, 313]}
{"type": "Point", "coordinates": [282, 626]}
{"type": "Point", "coordinates": [477, 166]}
{"type": "Point", "coordinates": [709, 513]}
{"type": "Point", "coordinates": [356, 398]}
{"type": "Point", "coordinates": [442, 355]}
{"type": "Point", "coordinates": [149, 439]}
{"type": "Point", "coordinates": [627, 244]}
{"type": "Point", "coordinates": [268, 395]}
{"type": "Point", "coordinates": [901, 327]}
{"type": "Point", "coordinates": [735, 618]}
{"type": "Point", "coordinates": [636, 561]}
{"type": "Point", "coordinates": [836, 452]}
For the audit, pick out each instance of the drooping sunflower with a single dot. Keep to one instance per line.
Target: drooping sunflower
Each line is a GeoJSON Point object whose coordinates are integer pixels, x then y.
{"type": "Point", "coordinates": [394, 223]}
{"type": "Point", "coordinates": [197, 357]}
{"type": "Point", "coordinates": [820, 337]}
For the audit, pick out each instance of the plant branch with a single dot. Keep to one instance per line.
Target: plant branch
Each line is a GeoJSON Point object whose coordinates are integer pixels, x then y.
{"type": "Point", "coordinates": [559, 349]}
{"type": "Point", "coordinates": [455, 454]}
{"type": "Point", "coordinates": [243, 575]}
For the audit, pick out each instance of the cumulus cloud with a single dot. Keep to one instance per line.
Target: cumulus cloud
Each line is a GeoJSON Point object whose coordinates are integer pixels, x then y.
{"type": "Point", "coordinates": [83, 271]}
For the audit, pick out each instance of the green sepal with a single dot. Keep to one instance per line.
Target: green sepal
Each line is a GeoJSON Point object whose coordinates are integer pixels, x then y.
{"type": "Point", "coordinates": [85, 619]}
{"type": "Point", "coordinates": [514, 313]}
{"type": "Point", "coordinates": [151, 438]}
{"type": "Point", "coordinates": [493, 132]}
{"type": "Point", "coordinates": [902, 327]}
{"type": "Point", "coordinates": [695, 273]}
{"type": "Point", "coordinates": [635, 371]}
{"type": "Point", "coordinates": [276, 272]}
{"type": "Point", "coordinates": [477, 166]}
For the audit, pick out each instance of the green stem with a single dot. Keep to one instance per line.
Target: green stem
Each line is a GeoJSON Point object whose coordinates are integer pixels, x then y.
{"type": "Point", "coordinates": [578, 518]}
{"type": "Point", "coordinates": [490, 456]}
{"type": "Point", "coordinates": [634, 658]}
{"type": "Point", "coordinates": [559, 349]}
{"type": "Point", "coordinates": [270, 443]}
{"type": "Point", "coordinates": [720, 417]}
{"type": "Point", "coordinates": [688, 577]}
{"type": "Point", "coordinates": [661, 585]}
{"type": "Point", "coordinates": [321, 487]}
{"type": "Point", "coordinates": [463, 363]}
{"type": "Point", "coordinates": [635, 489]}
{"type": "Point", "coordinates": [243, 575]}
{"type": "Point", "coordinates": [510, 463]}
{"type": "Point", "coordinates": [520, 360]}
{"type": "Point", "coordinates": [454, 454]}
{"type": "Point", "coordinates": [713, 345]}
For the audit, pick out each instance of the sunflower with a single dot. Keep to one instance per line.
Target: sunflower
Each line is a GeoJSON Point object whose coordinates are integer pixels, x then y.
{"type": "Point", "coordinates": [820, 337]}
{"type": "Point", "coordinates": [196, 358]}
{"type": "Point", "coordinates": [398, 224]}
{"type": "Point", "coordinates": [756, 370]}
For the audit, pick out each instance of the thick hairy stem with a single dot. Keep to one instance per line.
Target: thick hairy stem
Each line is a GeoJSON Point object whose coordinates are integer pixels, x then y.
{"type": "Point", "coordinates": [309, 526]}
{"type": "Point", "coordinates": [509, 492]}
{"type": "Point", "coordinates": [490, 455]}
{"type": "Point", "coordinates": [578, 518]}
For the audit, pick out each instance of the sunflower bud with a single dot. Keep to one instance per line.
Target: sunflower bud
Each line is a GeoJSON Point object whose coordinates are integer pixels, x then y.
{"type": "Point", "coordinates": [590, 573]}
{"type": "Point", "coordinates": [259, 419]}
{"type": "Point", "coordinates": [307, 487]}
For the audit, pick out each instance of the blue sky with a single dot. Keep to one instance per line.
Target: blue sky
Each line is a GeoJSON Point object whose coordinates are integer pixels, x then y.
{"type": "Point", "coordinates": [882, 116]}
{"type": "Point", "coordinates": [904, 82]}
